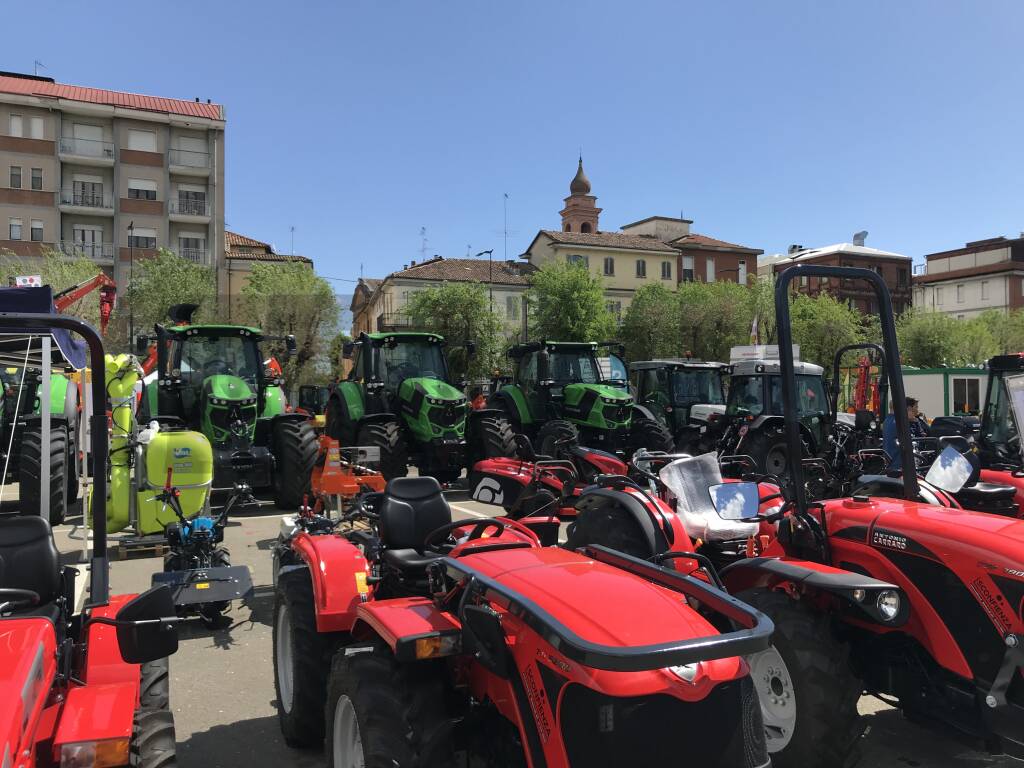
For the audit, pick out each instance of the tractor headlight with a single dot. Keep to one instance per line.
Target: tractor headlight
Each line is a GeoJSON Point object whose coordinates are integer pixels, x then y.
{"type": "Point", "coordinates": [686, 672]}
{"type": "Point", "coordinates": [888, 604]}
{"type": "Point", "coordinates": [94, 754]}
{"type": "Point", "coordinates": [613, 400]}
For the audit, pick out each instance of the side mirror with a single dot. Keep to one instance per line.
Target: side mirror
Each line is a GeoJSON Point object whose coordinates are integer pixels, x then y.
{"type": "Point", "coordinates": [735, 501]}
{"type": "Point", "coordinates": [146, 627]}
{"type": "Point", "coordinates": [347, 349]}
{"type": "Point", "coordinates": [141, 346]}
{"type": "Point", "coordinates": [470, 349]}
{"type": "Point", "coordinates": [950, 471]}
{"type": "Point", "coordinates": [290, 346]}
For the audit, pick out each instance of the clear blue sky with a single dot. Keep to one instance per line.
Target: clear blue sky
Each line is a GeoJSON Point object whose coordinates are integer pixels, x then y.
{"type": "Point", "coordinates": [767, 123]}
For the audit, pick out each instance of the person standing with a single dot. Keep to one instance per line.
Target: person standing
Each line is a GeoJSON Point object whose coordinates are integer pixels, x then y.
{"type": "Point", "coordinates": [890, 438]}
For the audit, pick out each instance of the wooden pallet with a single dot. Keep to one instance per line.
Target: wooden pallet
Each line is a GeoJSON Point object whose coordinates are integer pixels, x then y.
{"type": "Point", "coordinates": [137, 547]}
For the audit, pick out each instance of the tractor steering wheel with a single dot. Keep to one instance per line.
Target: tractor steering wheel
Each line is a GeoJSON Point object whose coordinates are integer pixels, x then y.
{"type": "Point", "coordinates": [479, 526]}
{"type": "Point", "coordinates": [11, 598]}
{"type": "Point", "coordinates": [213, 367]}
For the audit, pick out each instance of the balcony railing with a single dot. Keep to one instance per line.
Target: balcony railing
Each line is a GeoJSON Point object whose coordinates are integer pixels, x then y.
{"type": "Point", "coordinates": [393, 320]}
{"type": "Point", "coordinates": [198, 255]}
{"type": "Point", "coordinates": [189, 158]}
{"type": "Point", "coordinates": [96, 251]}
{"type": "Point", "coordinates": [86, 147]}
{"type": "Point", "coordinates": [190, 207]}
{"type": "Point", "coordinates": [84, 199]}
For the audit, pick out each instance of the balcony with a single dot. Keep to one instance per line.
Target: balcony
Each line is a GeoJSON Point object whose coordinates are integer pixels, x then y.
{"type": "Point", "coordinates": [86, 151]}
{"type": "Point", "coordinates": [189, 210]}
{"type": "Point", "coordinates": [87, 203]}
{"type": "Point", "coordinates": [189, 163]}
{"type": "Point", "coordinates": [195, 255]}
{"type": "Point", "coordinates": [393, 321]}
{"type": "Point", "coordinates": [101, 253]}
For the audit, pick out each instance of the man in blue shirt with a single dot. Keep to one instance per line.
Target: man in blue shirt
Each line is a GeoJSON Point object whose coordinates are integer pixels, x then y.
{"type": "Point", "coordinates": [890, 439]}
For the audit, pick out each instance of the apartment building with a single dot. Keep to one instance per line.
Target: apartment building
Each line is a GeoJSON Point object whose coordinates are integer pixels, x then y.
{"type": "Point", "coordinates": [108, 175]}
{"type": "Point", "coordinates": [964, 282]}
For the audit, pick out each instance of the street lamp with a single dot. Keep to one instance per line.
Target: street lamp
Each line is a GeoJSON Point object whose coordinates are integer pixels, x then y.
{"type": "Point", "coordinates": [490, 276]}
{"type": "Point", "coordinates": [131, 280]}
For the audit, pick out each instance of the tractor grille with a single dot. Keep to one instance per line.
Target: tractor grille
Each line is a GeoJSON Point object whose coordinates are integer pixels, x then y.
{"type": "Point", "coordinates": [222, 418]}
{"type": "Point", "coordinates": [446, 416]}
{"type": "Point", "coordinates": [619, 414]}
{"type": "Point", "coordinates": [724, 730]}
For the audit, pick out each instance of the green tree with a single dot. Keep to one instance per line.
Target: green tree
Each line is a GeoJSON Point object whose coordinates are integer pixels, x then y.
{"type": "Point", "coordinates": [460, 312]}
{"type": "Point", "coordinates": [647, 328]}
{"type": "Point", "coordinates": [713, 317]}
{"type": "Point", "coordinates": [933, 339]}
{"type": "Point", "coordinates": [60, 272]}
{"type": "Point", "coordinates": [567, 304]}
{"type": "Point", "coordinates": [163, 281]}
{"type": "Point", "coordinates": [821, 325]}
{"type": "Point", "coordinates": [762, 306]}
{"type": "Point", "coordinates": [336, 355]}
{"type": "Point", "coordinates": [290, 298]}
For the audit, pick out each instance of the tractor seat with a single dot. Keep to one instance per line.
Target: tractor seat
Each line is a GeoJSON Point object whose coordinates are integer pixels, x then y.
{"type": "Point", "coordinates": [987, 492]}
{"type": "Point", "coordinates": [29, 557]}
{"type": "Point", "coordinates": [411, 508]}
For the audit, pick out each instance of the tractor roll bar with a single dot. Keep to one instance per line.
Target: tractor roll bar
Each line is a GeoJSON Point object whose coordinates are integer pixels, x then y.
{"type": "Point", "coordinates": [99, 578]}
{"type": "Point", "coordinates": [754, 636]}
{"type": "Point", "coordinates": [883, 383]}
{"type": "Point", "coordinates": [892, 366]}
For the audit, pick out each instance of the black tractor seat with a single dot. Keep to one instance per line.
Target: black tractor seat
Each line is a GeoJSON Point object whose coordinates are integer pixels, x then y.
{"type": "Point", "coordinates": [29, 558]}
{"type": "Point", "coordinates": [410, 509]}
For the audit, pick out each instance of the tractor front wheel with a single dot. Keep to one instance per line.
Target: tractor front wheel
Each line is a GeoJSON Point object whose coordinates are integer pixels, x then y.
{"type": "Point", "coordinates": [649, 434]}
{"type": "Point", "coordinates": [381, 713]}
{"type": "Point", "coordinates": [491, 438]}
{"type": "Point", "coordinates": [806, 687]}
{"type": "Point", "coordinates": [555, 436]}
{"type": "Point", "coordinates": [155, 685]}
{"type": "Point", "coordinates": [30, 470]}
{"type": "Point", "coordinates": [153, 744]}
{"type": "Point", "coordinates": [386, 435]}
{"type": "Point", "coordinates": [295, 453]}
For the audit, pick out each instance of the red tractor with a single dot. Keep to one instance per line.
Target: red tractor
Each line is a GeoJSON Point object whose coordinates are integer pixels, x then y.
{"type": "Point", "coordinates": [88, 688]}
{"type": "Point", "coordinates": [411, 639]}
{"type": "Point", "coordinates": [920, 605]}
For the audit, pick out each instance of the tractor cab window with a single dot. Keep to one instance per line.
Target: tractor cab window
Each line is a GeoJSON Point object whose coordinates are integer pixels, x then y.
{"type": "Point", "coordinates": [615, 369]}
{"type": "Point", "coordinates": [745, 392]}
{"type": "Point", "coordinates": [810, 395]}
{"type": "Point", "coordinates": [702, 387]}
{"type": "Point", "coordinates": [999, 426]}
{"type": "Point", "coordinates": [410, 360]}
{"type": "Point", "coordinates": [527, 373]}
{"type": "Point", "coordinates": [573, 368]}
{"type": "Point", "coordinates": [203, 356]}
{"type": "Point", "coordinates": [357, 373]}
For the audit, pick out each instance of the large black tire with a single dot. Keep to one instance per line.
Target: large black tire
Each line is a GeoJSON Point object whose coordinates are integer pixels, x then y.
{"type": "Point", "coordinates": [30, 468]}
{"type": "Point", "coordinates": [394, 453]}
{"type": "Point", "coordinates": [155, 689]}
{"type": "Point", "coordinates": [491, 437]}
{"type": "Point", "coordinates": [649, 434]}
{"type": "Point", "coordinates": [74, 465]}
{"type": "Point", "coordinates": [153, 743]}
{"type": "Point", "coordinates": [770, 452]}
{"type": "Point", "coordinates": [610, 526]}
{"type": "Point", "coordinates": [335, 420]}
{"type": "Point", "coordinates": [295, 454]}
{"type": "Point", "coordinates": [814, 678]}
{"type": "Point", "coordinates": [399, 710]}
{"type": "Point", "coordinates": [551, 435]}
{"type": "Point", "coordinates": [301, 662]}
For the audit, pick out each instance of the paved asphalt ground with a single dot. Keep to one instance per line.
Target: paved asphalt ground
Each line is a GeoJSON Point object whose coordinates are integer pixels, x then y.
{"type": "Point", "coordinates": [222, 687]}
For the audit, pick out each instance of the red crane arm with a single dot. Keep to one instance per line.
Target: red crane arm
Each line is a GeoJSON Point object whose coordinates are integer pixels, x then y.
{"type": "Point", "coordinates": [108, 292]}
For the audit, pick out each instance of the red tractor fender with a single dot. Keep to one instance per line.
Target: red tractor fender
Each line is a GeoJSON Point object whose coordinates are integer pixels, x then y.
{"type": "Point", "coordinates": [413, 627]}
{"type": "Point", "coordinates": [338, 571]}
{"type": "Point", "coordinates": [28, 653]}
{"type": "Point", "coordinates": [103, 663]}
{"type": "Point", "coordinates": [1002, 477]}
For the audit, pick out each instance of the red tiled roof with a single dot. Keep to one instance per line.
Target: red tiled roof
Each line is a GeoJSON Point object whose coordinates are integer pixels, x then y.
{"type": "Point", "coordinates": [27, 86]}
{"type": "Point", "coordinates": [610, 240]}
{"type": "Point", "coordinates": [468, 270]}
{"type": "Point", "coordinates": [694, 239]}
{"type": "Point", "coordinates": [267, 257]}
{"type": "Point", "coordinates": [233, 238]}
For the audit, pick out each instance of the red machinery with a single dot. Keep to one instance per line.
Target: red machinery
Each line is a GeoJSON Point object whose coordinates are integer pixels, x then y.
{"type": "Point", "coordinates": [108, 295]}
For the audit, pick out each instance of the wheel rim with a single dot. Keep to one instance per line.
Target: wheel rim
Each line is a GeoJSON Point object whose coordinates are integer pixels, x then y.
{"type": "Point", "coordinates": [777, 697]}
{"type": "Point", "coordinates": [775, 461]}
{"type": "Point", "coordinates": [284, 658]}
{"type": "Point", "coordinates": [347, 745]}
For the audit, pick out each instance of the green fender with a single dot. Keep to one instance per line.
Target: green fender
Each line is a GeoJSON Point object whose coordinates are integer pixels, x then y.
{"type": "Point", "coordinates": [512, 397]}
{"type": "Point", "coordinates": [274, 402]}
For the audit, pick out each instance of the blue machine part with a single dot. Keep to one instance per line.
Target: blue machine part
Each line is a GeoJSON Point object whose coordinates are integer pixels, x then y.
{"type": "Point", "coordinates": [197, 525]}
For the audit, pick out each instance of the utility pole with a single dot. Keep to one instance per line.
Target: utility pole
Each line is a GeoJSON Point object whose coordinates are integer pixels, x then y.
{"type": "Point", "coordinates": [490, 276]}
{"type": "Point", "coordinates": [131, 280]}
{"type": "Point", "coordinates": [506, 226]}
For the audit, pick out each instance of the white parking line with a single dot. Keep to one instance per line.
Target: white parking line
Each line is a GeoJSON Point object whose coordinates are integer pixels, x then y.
{"type": "Point", "coordinates": [470, 512]}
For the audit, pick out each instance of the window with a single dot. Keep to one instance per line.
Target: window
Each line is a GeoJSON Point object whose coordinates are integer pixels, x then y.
{"type": "Point", "coordinates": [688, 268]}
{"type": "Point", "coordinates": [575, 258]}
{"type": "Point", "coordinates": [15, 127]}
{"type": "Point", "coordinates": [741, 273]}
{"type": "Point", "coordinates": [960, 316]}
{"type": "Point", "coordinates": [938, 296]}
{"type": "Point", "coordinates": [666, 270]}
{"type": "Point", "coordinates": [37, 231]}
{"type": "Point", "coordinates": [192, 200]}
{"type": "Point", "coordinates": [141, 189]}
{"type": "Point", "coordinates": [966, 396]}
{"type": "Point", "coordinates": [14, 229]}
{"type": "Point", "coordinates": [901, 278]}
{"type": "Point", "coordinates": [528, 372]}
{"type": "Point", "coordinates": [984, 289]}
{"type": "Point", "coordinates": [710, 275]}
{"type": "Point", "coordinates": [803, 281]}
{"type": "Point", "coordinates": [641, 268]}
{"type": "Point", "coordinates": [143, 141]}
{"type": "Point", "coordinates": [567, 227]}
{"type": "Point", "coordinates": [35, 127]}
{"type": "Point", "coordinates": [87, 190]}
{"type": "Point", "coordinates": [609, 266]}
{"type": "Point", "coordinates": [142, 238]}
{"type": "Point", "coordinates": [512, 307]}
{"type": "Point", "coordinates": [960, 294]}
{"type": "Point", "coordinates": [615, 307]}
{"type": "Point", "coordinates": [192, 246]}
{"type": "Point", "coordinates": [585, 226]}
{"type": "Point", "coordinates": [15, 177]}
{"type": "Point", "coordinates": [37, 178]}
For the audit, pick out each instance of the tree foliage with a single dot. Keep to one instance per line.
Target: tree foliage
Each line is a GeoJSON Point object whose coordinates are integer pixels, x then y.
{"type": "Point", "coordinates": [821, 325]}
{"type": "Point", "coordinates": [933, 339]}
{"type": "Point", "coordinates": [567, 303]}
{"type": "Point", "coordinates": [289, 298]}
{"type": "Point", "coordinates": [460, 312]}
{"type": "Point", "coordinates": [648, 329]}
{"type": "Point", "coordinates": [714, 317]}
{"type": "Point", "coordinates": [164, 280]}
{"type": "Point", "coordinates": [60, 272]}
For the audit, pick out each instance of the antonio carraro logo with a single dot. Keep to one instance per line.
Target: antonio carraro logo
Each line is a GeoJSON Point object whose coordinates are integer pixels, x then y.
{"type": "Point", "coordinates": [888, 539]}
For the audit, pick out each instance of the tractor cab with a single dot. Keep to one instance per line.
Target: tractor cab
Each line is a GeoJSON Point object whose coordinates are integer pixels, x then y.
{"type": "Point", "coordinates": [755, 390]}
{"type": "Point", "coordinates": [999, 441]}
{"type": "Point", "coordinates": [687, 396]}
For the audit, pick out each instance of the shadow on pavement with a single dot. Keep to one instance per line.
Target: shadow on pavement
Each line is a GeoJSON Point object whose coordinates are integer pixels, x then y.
{"type": "Point", "coordinates": [893, 741]}
{"type": "Point", "coordinates": [255, 743]}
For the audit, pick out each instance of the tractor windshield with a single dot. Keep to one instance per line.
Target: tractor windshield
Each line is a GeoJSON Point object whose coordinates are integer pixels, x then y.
{"type": "Point", "coordinates": [999, 427]}
{"type": "Point", "coordinates": [203, 356]}
{"type": "Point", "coordinates": [747, 393]}
{"type": "Point", "coordinates": [574, 368]}
{"type": "Point", "coordinates": [697, 387]}
{"type": "Point", "coordinates": [411, 360]}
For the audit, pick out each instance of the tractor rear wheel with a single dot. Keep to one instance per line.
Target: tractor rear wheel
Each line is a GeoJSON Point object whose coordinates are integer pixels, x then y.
{"type": "Point", "coordinates": [770, 452]}
{"type": "Point", "coordinates": [30, 470]}
{"type": "Point", "coordinates": [301, 661]}
{"type": "Point", "coordinates": [649, 434]}
{"type": "Point", "coordinates": [155, 684]}
{"type": "Point", "coordinates": [295, 455]}
{"type": "Point", "coordinates": [806, 687]}
{"type": "Point", "coordinates": [554, 436]}
{"type": "Point", "coordinates": [73, 466]}
{"type": "Point", "coordinates": [153, 743]}
{"type": "Point", "coordinates": [491, 438]}
{"type": "Point", "coordinates": [394, 455]}
{"type": "Point", "coordinates": [381, 713]}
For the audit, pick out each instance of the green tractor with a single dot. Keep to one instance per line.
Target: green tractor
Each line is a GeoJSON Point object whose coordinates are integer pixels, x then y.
{"type": "Point", "coordinates": [561, 393]}
{"type": "Point", "coordinates": [212, 378]}
{"type": "Point", "coordinates": [399, 398]}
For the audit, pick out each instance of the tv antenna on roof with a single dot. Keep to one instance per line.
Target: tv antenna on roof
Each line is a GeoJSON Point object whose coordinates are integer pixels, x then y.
{"type": "Point", "coordinates": [37, 64]}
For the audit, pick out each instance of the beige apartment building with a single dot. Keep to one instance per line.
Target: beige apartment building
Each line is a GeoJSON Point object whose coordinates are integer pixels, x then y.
{"type": "Point", "coordinates": [108, 175]}
{"type": "Point", "coordinates": [964, 282]}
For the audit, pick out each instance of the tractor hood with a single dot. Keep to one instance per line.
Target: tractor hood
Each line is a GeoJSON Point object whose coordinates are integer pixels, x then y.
{"type": "Point", "coordinates": [620, 395]}
{"type": "Point", "coordinates": [429, 388]}
{"type": "Point", "coordinates": [227, 387]}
